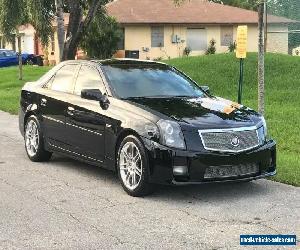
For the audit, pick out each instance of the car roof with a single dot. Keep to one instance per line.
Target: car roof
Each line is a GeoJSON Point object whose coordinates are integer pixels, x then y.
{"type": "Point", "coordinates": [127, 61]}
{"type": "Point", "coordinates": [119, 61]}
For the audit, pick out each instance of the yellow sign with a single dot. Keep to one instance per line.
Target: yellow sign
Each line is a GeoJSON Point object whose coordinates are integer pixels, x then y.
{"type": "Point", "coordinates": [241, 45]}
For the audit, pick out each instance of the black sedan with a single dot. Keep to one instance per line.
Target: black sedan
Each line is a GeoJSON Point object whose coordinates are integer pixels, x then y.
{"type": "Point", "coordinates": [148, 121]}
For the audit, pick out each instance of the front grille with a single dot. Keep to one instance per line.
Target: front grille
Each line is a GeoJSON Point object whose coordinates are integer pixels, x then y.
{"type": "Point", "coordinates": [230, 140]}
{"type": "Point", "coordinates": [241, 170]}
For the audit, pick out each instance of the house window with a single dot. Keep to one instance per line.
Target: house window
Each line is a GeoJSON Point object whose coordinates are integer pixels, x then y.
{"type": "Point", "coordinates": [226, 35]}
{"type": "Point", "coordinates": [197, 39]}
{"type": "Point", "coordinates": [157, 37]}
{"type": "Point", "coordinates": [121, 43]}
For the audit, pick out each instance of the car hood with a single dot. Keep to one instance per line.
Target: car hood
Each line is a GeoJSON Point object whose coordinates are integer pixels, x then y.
{"type": "Point", "coordinates": [205, 113]}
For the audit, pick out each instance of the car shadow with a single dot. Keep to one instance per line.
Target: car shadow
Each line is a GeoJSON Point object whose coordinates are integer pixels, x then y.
{"type": "Point", "coordinates": [204, 192]}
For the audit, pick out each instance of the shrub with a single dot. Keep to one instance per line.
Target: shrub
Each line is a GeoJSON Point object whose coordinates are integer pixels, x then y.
{"type": "Point", "coordinates": [211, 48]}
{"type": "Point", "coordinates": [102, 37]}
{"type": "Point", "coordinates": [232, 47]}
{"type": "Point", "coordinates": [187, 51]}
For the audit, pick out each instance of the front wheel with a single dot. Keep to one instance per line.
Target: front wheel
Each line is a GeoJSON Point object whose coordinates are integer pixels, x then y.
{"type": "Point", "coordinates": [34, 142]}
{"type": "Point", "coordinates": [133, 167]}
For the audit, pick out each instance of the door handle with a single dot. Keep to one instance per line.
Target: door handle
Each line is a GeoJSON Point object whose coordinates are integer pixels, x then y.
{"type": "Point", "coordinates": [70, 111]}
{"type": "Point", "coordinates": [44, 102]}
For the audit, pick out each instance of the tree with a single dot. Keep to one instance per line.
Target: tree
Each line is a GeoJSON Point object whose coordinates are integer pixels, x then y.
{"type": "Point", "coordinates": [41, 13]}
{"type": "Point", "coordinates": [261, 59]}
{"type": "Point", "coordinates": [60, 27]}
{"type": "Point", "coordinates": [18, 12]}
{"type": "Point", "coordinates": [102, 37]}
{"type": "Point", "coordinates": [81, 16]}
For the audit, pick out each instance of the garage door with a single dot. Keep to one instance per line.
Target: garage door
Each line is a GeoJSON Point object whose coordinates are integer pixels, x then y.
{"type": "Point", "coordinates": [28, 44]}
{"type": "Point", "coordinates": [197, 39]}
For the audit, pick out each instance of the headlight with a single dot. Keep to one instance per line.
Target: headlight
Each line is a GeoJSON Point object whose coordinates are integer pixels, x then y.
{"type": "Point", "coordinates": [171, 134]}
{"type": "Point", "coordinates": [265, 126]}
{"type": "Point", "coordinates": [262, 132]}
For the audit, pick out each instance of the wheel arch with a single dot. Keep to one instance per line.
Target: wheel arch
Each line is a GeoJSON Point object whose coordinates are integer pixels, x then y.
{"type": "Point", "coordinates": [31, 110]}
{"type": "Point", "coordinates": [123, 134]}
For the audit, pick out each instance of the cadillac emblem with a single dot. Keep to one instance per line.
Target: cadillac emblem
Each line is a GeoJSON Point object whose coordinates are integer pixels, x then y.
{"type": "Point", "coordinates": [235, 142]}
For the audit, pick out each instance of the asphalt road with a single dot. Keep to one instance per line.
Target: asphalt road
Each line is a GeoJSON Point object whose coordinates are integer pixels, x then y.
{"type": "Point", "coordinates": [65, 204]}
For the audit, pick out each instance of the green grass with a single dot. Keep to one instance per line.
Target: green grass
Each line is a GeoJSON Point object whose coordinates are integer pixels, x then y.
{"type": "Point", "coordinates": [221, 73]}
{"type": "Point", "coordinates": [10, 86]}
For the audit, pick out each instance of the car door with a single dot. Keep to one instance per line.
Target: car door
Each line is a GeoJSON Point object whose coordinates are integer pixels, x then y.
{"type": "Point", "coordinates": [85, 119]}
{"type": "Point", "coordinates": [54, 103]}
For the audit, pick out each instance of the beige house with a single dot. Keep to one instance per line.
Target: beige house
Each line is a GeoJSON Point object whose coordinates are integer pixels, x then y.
{"type": "Point", "coordinates": [159, 29]}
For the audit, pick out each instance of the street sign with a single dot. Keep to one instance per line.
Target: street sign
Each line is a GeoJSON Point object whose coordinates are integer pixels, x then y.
{"type": "Point", "coordinates": [241, 53]}
{"type": "Point", "coordinates": [241, 42]}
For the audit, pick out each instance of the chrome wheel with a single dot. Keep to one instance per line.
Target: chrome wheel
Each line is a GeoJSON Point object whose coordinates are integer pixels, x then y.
{"type": "Point", "coordinates": [130, 165]}
{"type": "Point", "coordinates": [32, 138]}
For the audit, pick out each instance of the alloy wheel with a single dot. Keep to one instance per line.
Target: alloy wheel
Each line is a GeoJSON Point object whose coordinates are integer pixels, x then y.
{"type": "Point", "coordinates": [32, 138]}
{"type": "Point", "coordinates": [130, 165]}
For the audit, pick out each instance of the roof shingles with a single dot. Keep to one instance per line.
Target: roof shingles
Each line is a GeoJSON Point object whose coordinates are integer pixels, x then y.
{"type": "Point", "coordinates": [190, 12]}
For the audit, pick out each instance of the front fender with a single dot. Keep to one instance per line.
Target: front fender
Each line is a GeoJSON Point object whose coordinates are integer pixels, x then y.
{"type": "Point", "coordinates": [24, 114]}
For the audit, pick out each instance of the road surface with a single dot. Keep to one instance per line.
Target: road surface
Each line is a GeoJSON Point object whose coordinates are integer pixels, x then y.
{"type": "Point", "coordinates": [64, 204]}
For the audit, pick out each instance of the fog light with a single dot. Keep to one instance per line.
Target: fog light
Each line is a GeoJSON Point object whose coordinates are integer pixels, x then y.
{"type": "Point", "coordinates": [180, 171]}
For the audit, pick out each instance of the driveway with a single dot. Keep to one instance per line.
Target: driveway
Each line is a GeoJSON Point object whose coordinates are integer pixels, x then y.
{"type": "Point", "coordinates": [64, 204]}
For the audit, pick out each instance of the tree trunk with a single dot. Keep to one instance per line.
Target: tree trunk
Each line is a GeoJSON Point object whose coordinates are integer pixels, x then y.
{"type": "Point", "coordinates": [20, 56]}
{"type": "Point", "coordinates": [60, 27]}
{"type": "Point", "coordinates": [266, 25]}
{"type": "Point", "coordinates": [77, 26]}
{"type": "Point", "coordinates": [261, 61]}
{"type": "Point", "coordinates": [76, 15]}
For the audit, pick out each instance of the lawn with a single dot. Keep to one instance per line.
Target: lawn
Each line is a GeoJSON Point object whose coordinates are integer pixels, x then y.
{"type": "Point", "coordinates": [10, 85]}
{"type": "Point", "coordinates": [220, 73]}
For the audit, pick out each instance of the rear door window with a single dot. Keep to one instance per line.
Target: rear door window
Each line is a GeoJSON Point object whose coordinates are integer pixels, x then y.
{"type": "Point", "coordinates": [63, 79]}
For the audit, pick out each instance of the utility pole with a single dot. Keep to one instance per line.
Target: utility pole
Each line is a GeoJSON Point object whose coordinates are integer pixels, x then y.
{"type": "Point", "coordinates": [261, 58]}
{"type": "Point", "coordinates": [266, 24]}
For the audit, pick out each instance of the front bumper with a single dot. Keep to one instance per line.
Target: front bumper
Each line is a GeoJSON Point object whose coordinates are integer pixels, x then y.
{"type": "Point", "coordinates": [162, 161]}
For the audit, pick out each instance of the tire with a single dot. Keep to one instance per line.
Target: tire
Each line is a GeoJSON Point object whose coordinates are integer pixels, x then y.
{"type": "Point", "coordinates": [34, 141]}
{"type": "Point", "coordinates": [133, 167]}
{"type": "Point", "coordinates": [28, 62]}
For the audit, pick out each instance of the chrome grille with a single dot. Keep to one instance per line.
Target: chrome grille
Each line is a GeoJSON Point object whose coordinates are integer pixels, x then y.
{"type": "Point", "coordinates": [231, 171]}
{"type": "Point", "coordinates": [230, 140]}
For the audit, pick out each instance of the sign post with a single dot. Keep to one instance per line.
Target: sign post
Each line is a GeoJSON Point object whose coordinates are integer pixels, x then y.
{"type": "Point", "coordinates": [241, 53]}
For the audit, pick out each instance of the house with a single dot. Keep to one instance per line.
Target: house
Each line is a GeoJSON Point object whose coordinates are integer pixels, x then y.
{"type": "Point", "coordinates": [154, 29]}
{"type": "Point", "coordinates": [30, 43]}
{"type": "Point", "coordinates": [27, 38]}
{"type": "Point", "coordinates": [159, 29]}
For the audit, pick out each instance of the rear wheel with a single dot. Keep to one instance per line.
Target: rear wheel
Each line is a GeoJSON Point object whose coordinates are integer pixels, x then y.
{"type": "Point", "coordinates": [34, 142]}
{"type": "Point", "coordinates": [133, 167]}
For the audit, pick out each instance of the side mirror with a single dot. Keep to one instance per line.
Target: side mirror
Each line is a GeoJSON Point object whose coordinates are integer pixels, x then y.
{"type": "Point", "coordinates": [96, 95]}
{"type": "Point", "coordinates": [205, 89]}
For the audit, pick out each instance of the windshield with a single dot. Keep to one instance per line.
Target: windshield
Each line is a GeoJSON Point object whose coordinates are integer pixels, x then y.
{"type": "Point", "coordinates": [132, 81]}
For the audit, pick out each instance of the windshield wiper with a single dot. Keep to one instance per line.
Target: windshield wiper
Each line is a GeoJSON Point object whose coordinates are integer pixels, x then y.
{"type": "Point", "coordinates": [162, 96]}
{"type": "Point", "coordinates": [186, 96]}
